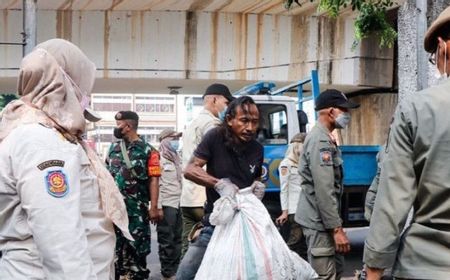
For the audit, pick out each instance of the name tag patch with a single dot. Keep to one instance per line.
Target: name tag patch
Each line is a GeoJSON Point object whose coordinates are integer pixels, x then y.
{"type": "Point", "coordinates": [50, 163]}
{"type": "Point", "coordinates": [56, 183]}
{"type": "Point", "coordinates": [326, 157]}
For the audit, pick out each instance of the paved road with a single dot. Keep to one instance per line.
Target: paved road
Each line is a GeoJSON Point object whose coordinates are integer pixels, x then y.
{"type": "Point", "coordinates": [353, 260]}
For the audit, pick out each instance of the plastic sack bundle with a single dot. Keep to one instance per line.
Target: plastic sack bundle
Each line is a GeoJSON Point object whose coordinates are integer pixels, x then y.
{"type": "Point", "coordinates": [246, 244]}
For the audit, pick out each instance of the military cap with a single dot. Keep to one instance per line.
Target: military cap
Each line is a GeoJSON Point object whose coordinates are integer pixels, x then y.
{"type": "Point", "coordinates": [333, 98]}
{"type": "Point", "coordinates": [126, 115]}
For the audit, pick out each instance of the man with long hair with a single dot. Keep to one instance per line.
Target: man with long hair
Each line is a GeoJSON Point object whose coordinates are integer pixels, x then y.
{"type": "Point", "coordinates": [233, 160]}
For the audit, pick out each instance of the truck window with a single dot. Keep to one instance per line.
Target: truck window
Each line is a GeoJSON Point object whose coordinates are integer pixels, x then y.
{"type": "Point", "coordinates": [273, 124]}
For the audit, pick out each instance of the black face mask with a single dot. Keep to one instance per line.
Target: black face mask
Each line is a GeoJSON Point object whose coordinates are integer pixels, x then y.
{"type": "Point", "coordinates": [118, 133]}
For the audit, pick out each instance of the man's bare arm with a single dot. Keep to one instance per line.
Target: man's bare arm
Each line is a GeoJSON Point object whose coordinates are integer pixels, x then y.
{"type": "Point", "coordinates": [154, 196]}
{"type": "Point", "coordinates": [194, 172]}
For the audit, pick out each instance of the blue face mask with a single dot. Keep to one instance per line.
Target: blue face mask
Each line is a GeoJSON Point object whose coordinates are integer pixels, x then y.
{"type": "Point", "coordinates": [222, 114]}
{"type": "Point", "coordinates": [174, 145]}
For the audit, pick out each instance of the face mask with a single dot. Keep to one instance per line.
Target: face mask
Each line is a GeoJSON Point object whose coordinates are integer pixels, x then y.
{"type": "Point", "coordinates": [118, 133]}
{"type": "Point", "coordinates": [222, 114]}
{"type": "Point", "coordinates": [342, 120]}
{"type": "Point", "coordinates": [174, 144]}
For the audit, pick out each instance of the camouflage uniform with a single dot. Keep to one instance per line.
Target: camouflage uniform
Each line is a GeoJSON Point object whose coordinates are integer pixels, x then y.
{"type": "Point", "coordinates": [131, 255]}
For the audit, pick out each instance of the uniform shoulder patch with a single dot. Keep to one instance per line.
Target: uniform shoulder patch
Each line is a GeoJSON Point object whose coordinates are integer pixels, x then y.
{"type": "Point", "coordinates": [326, 157]}
{"type": "Point", "coordinates": [56, 183]}
{"type": "Point", "coordinates": [154, 168]}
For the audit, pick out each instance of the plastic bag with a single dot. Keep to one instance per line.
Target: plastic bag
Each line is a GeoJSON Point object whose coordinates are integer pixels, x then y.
{"type": "Point", "coordinates": [246, 244]}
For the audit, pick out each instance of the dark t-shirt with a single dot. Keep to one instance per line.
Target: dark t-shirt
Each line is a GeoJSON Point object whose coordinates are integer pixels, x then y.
{"type": "Point", "coordinates": [241, 165]}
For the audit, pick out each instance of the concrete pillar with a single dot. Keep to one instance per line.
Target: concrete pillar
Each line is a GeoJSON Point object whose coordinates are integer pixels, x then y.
{"type": "Point", "coordinates": [29, 25]}
{"type": "Point", "coordinates": [414, 71]}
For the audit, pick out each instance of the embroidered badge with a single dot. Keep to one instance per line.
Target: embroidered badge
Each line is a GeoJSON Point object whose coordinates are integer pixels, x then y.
{"type": "Point", "coordinates": [154, 168]}
{"type": "Point", "coordinates": [56, 183]}
{"type": "Point", "coordinates": [50, 163]}
{"type": "Point", "coordinates": [326, 158]}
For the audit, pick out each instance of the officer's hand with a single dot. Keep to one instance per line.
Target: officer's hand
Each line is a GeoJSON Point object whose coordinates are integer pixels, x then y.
{"type": "Point", "coordinates": [282, 218]}
{"type": "Point", "coordinates": [341, 241]}
{"type": "Point", "coordinates": [226, 188]}
{"type": "Point", "coordinates": [154, 215]}
{"type": "Point", "coordinates": [258, 189]}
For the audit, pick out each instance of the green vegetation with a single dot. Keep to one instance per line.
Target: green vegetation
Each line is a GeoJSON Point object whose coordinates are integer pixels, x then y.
{"type": "Point", "coordinates": [5, 99]}
{"type": "Point", "coordinates": [371, 19]}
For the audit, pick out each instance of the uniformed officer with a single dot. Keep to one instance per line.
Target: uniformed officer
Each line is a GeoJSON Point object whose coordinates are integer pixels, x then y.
{"type": "Point", "coordinates": [57, 200]}
{"type": "Point", "coordinates": [193, 196]}
{"type": "Point", "coordinates": [290, 192]}
{"type": "Point", "coordinates": [415, 172]}
{"type": "Point", "coordinates": [170, 228]}
{"type": "Point", "coordinates": [135, 167]}
{"type": "Point", "coordinates": [320, 167]}
{"type": "Point", "coordinates": [373, 189]}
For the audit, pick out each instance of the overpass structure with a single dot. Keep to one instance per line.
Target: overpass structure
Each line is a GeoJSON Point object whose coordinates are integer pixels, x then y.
{"type": "Point", "coordinates": [148, 45]}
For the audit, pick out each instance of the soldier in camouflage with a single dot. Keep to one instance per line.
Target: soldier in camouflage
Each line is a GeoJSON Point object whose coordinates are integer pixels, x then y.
{"type": "Point", "coordinates": [134, 164]}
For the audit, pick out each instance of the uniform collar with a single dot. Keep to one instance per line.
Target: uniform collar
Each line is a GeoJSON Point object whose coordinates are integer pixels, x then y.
{"type": "Point", "coordinates": [206, 112]}
{"type": "Point", "coordinates": [327, 132]}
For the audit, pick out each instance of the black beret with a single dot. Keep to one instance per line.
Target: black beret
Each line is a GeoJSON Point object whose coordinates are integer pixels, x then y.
{"type": "Point", "coordinates": [126, 115]}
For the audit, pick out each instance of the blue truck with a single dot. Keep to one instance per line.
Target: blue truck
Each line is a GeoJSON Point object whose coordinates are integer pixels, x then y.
{"type": "Point", "coordinates": [281, 117]}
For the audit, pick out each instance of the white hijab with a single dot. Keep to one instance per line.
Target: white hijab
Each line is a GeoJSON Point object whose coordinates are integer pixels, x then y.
{"type": "Point", "coordinates": [55, 82]}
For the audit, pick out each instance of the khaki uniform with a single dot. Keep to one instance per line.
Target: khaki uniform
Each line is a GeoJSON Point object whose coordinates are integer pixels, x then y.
{"type": "Point", "coordinates": [52, 225]}
{"type": "Point", "coordinates": [170, 228]}
{"type": "Point", "coordinates": [290, 192]}
{"type": "Point", "coordinates": [318, 210]}
{"type": "Point", "coordinates": [415, 172]}
{"type": "Point", "coordinates": [193, 196]}
{"type": "Point", "coordinates": [169, 185]}
{"type": "Point", "coordinates": [373, 189]}
{"type": "Point", "coordinates": [290, 189]}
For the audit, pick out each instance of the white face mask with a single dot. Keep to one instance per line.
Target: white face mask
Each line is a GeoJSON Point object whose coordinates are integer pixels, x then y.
{"type": "Point", "coordinates": [342, 120]}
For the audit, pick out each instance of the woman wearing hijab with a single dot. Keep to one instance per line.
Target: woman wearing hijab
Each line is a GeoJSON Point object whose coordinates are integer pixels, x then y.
{"type": "Point", "coordinates": [58, 202]}
{"type": "Point", "coordinates": [170, 228]}
{"type": "Point", "coordinates": [290, 192]}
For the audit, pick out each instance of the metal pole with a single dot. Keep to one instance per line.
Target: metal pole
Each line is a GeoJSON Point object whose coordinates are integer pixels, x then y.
{"type": "Point", "coordinates": [300, 97]}
{"type": "Point", "coordinates": [315, 88]}
{"type": "Point", "coordinates": [29, 25]}
{"type": "Point", "coordinates": [422, 60]}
